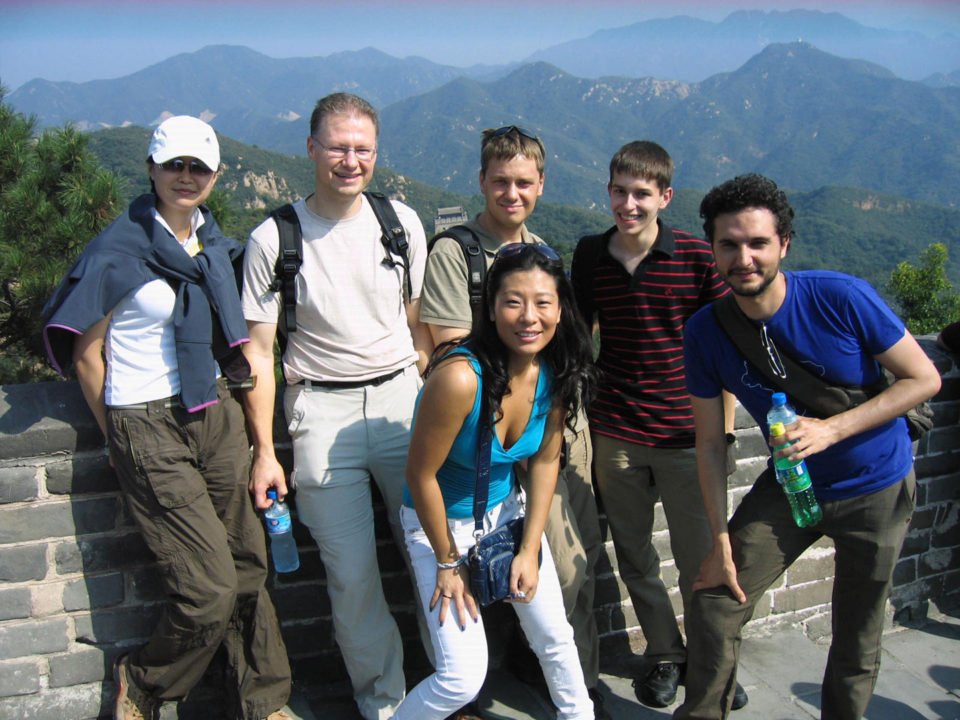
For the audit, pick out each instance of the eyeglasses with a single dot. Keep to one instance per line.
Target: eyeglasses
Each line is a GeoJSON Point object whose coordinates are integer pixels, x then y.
{"type": "Point", "coordinates": [513, 249]}
{"type": "Point", "coordinates": [363, 154]}
{"type": "Point", "coordinates": [773, 357]}
{"type": "Point", "coordinates": [178, 165]}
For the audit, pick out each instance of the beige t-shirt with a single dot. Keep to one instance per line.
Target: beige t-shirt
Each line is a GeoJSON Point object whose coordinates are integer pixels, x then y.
{"type": "Point", "coordinates": [446, 294]}
{"type": "Point", "coordinates": [351, 320]}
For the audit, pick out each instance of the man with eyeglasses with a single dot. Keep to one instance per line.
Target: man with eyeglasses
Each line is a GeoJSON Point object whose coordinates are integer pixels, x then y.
{"type": "Point", "coordinates": [511, 180]}
{"type": "Point", "coordinates": [860, 460]}
{"type": "Point", "coordinates": [351, 371]}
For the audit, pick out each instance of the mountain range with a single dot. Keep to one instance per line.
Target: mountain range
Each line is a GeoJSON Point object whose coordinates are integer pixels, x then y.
{"type": "Point", "coordinates": [803, 116]}
{"type": "Point", "coordinates": [690, 49]}
{"type": "Point", "coordinates": [245, 94]}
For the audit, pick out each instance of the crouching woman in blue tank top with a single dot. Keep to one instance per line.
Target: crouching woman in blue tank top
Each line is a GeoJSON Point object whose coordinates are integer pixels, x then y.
{"type": "Point", "coordinates": [529, 357]}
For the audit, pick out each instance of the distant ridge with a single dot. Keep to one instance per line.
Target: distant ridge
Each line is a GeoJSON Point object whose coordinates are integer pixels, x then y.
{"type": "Point", "coordinates": [691, 49]}
{"type": "Point", "coordinates": [794, 111]}
{"type": "Point", "coordinates": [244, 93]}
{"type": "Point", "coordinates": [803, 116]}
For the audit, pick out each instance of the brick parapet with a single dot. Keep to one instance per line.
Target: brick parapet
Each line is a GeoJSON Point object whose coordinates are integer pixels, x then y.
{"type": "Point", "coordinates": [78, 587]}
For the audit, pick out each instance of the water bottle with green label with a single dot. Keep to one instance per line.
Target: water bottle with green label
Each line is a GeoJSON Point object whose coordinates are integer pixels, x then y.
{"type": "Point", "coordinates": [792, 474]}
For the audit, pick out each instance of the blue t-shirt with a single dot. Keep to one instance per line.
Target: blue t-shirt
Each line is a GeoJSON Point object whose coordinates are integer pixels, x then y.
{"type": "Point", "coordinates": [458, 474]}
{"type": "Point", "coordinates": [834, 324]}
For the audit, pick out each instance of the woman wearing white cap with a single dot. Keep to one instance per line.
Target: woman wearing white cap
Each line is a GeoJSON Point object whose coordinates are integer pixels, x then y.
{"type": "Point", "coordinates": [150, 316]}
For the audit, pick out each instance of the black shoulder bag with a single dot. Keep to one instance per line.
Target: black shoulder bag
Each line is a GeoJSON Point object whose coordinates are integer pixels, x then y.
{"type": "Point", "coordinates": [491, 556]}
{"type": "Point", "coordinates": [809, 392]}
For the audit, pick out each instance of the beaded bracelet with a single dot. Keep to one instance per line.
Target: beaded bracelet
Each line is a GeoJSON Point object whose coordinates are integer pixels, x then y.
{"type": "Point", "coordinates": [452, 565]}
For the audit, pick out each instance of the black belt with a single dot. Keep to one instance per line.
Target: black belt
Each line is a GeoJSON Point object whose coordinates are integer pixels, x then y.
{"type": "Point", "coordinates": [351, 384]}
{"type": "Point", "coordinates": [162, 403]}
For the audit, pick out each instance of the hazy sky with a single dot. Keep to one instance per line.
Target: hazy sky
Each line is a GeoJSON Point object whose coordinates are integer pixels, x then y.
{"type": "Point", "coordinates": [82, 40]}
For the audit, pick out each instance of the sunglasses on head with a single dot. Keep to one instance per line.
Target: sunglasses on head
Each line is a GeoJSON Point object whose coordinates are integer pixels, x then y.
{"type": "Point", "coordinates": [514, 249]}
{"type": "Point", "coordinates": [195, 167]}
{"type": "Point", "coordinates": [500, 132]}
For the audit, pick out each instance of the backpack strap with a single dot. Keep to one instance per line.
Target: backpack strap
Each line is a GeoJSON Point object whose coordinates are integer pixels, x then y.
{"type": "Point", "coordinates": [289, 260]}
{"type": "Point", "coordinates": [474, 257]}
{"type": "Point", "coordinates": [585, 257]}
{"type": "Point", "coordinates": [394, 237]}
{"type": "Point", "coordinates": [290, 254]}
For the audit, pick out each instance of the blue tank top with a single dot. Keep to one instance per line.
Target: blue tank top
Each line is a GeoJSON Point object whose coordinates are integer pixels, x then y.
{"type": "Point", "coordinates": [458, 474]}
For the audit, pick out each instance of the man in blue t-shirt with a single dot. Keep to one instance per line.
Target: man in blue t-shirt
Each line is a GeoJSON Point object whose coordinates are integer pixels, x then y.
{"type": "Point", "coordinates": [860, 460]}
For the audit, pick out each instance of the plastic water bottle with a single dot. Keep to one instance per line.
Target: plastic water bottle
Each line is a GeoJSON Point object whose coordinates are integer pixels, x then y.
{"type": "Point", "coordinates": [792, 474]}
{"type": "Point", "coordinates": [283, 547]}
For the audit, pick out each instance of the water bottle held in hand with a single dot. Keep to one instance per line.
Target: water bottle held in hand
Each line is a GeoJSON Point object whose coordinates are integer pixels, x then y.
{"type": "Point", "coordinates": [781, 411]}
{"type": "Point", "coordinates": [283, 548]}
{"type": "Point", "coordinates": [792, 474]}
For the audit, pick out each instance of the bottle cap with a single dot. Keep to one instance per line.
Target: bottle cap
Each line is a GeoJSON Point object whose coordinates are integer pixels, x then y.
{"type": "Point", "coordinates": [779, 398]}
{"type": "Point", "coordinates": [272, 494]}
{"type": "Point", "coordinates": [777, 429]}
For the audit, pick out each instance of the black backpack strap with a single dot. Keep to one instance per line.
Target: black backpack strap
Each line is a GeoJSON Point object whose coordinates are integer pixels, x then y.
{"type": "Point", "coordinates": [481, 488]}
{"type": "Point", "coordinates": [289, 260]}
{"type": "Point", "coordinates": [585, 257]}
{"type": "Point", "coordinates": [394, 237]}
{"type": "Point", "coordinates": [474, 257]}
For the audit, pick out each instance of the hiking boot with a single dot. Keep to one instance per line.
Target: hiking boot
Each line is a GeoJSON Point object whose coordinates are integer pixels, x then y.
{"type": "Point", "coordinates": [599, 711]}
{"type": "Point", "coordinates": [132, 702]}
{"type": "Point", "coordinates": [659, 688]}
{"type": "Point", "coordinates": [740, 698]}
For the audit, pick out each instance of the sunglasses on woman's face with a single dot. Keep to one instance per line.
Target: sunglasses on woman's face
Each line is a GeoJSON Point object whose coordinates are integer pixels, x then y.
{"type": "Point", "coordinates": [519, 248]}
{"type": "Point", "coordinates": [177, 165]}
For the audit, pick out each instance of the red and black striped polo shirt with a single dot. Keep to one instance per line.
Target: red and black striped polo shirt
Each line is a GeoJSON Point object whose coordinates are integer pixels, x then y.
{"type": "Point", "coordinates": [642, 397]}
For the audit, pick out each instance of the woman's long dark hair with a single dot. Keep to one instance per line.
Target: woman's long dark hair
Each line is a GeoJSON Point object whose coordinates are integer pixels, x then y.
{"type": "Point", "coordinates": [569, 355]}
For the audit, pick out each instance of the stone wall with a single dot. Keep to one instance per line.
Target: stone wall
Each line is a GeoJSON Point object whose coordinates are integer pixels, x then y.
{"type": "Point", "coordinates": [78, 587]}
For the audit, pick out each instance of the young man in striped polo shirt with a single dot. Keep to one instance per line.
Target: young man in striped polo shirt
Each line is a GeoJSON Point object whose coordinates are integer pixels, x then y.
{"type": "Point", "coordinates": [640, 281]}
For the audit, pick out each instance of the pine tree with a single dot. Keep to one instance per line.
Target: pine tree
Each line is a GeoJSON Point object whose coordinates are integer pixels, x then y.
{"type": "Point", "coordinates": [54, 198]}
{"type": "Point", "coordinates": [926, 297]}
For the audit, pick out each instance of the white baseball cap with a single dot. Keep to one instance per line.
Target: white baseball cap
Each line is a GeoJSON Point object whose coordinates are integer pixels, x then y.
{"type": "Point", "coordinates": [185, 136]}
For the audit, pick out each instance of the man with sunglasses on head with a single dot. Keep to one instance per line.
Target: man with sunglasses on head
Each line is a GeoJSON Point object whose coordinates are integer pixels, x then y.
{"type": "Point", "coordinates": [860, 460]}
{"type": "Point", "coordinates": [640, 281]}
{"type": "Point", "coordinates": [511, 181]}
{"type": "Point", "coordinates": [351, 371]}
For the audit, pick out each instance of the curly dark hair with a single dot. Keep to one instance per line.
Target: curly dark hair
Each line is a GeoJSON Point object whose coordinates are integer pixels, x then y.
{"type": "Point", "coordinates": [569, 355]}
{"type": "Point", "coordinates": [747, 191]}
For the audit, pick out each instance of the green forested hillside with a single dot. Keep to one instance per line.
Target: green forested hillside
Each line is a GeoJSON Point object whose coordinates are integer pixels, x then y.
{"type": "Point", "coordinates": [857, 231]}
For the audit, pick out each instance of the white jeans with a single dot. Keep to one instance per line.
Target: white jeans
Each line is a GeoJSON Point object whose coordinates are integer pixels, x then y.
{"type": "Point", "coordinates": [462, 654]}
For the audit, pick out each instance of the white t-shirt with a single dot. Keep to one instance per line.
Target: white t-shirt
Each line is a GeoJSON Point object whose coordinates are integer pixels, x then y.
{"type": "Point", "coordinates": [140, 347]}
{"type": "Point", "coordinates": [351, 321]}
